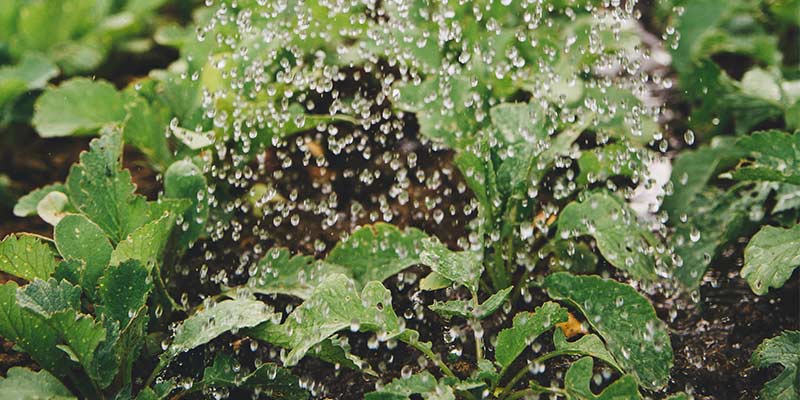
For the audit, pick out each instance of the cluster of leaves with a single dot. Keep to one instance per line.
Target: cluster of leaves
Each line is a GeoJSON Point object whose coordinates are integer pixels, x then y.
{"type": "Point", "coordinates": [738, 69]}
{"type": "Point", "coordinates": [44, 39]}
{"type": "Point", "coordinates": [738, 64]}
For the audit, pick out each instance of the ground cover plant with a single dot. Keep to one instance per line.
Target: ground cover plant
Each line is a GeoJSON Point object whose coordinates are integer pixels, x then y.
{"type": "Point", "coordinates": [495, 199]}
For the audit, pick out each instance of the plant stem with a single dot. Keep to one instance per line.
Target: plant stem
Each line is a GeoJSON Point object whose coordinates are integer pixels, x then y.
{"type": "Point", "coordinates": [521, 373]}
{"type": "Point", "coordinates": [476, 322]}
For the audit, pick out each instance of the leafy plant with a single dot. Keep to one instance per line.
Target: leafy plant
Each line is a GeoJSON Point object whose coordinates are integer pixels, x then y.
{"type": "Point", "coordinates": [784, 350]}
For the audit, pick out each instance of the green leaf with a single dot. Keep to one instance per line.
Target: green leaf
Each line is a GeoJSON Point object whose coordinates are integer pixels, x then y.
{"type": "Point", "coordinates": [526, 328]}
{"type": "Point", "coordinates": [53, 207]}
{"type": "Point", "coordinates": [775, 157]}
{"type": "Point", "coordinates": [423, 384]}
{"type": "Point", "coordinates": [587, 345]}
{"type": "Point", "coordinates": [78, 106]}
{"type": "Point", "coordinates": [30, 332]}
{"type": "Point", "coordinates": [144, 129]}
{"type": "Point", "coordinates": [27, 257]}
{"type": "Point", "coordinates": [279, 272]}
{"type": "Point", "coordinates": [77, 238]}
{"type": "Point", "coordinates": [24, 384]}
{"type": "Point", "coordinates": [184, 180]}
{"type": "Point", "coordinates": [103, 192]}
{"type": "Point", "coordinates": [771, 257]}
{"type": "Point", "coordinates": [625, 319]}
{"type": "Point", "coordinates": [376, 252]}
{"type": "Point", "coordinates": [784, 350]}
{"type": "Point", "coordinates": [579, 376]}
{"type": "Point", "coordinates": [518, 122]}
{"type": "Point", "coordinates": [718, 218]}
{"type": "Point", "coordinates": [49, 297]}
{"type": "Point", "coordinates": [463, 267]}
{"type": "Point", "coordinates": [612, 160]}
{"type": "Point", "coordinates": [215, 320]}
{"type": "Point", "coordinates": [146, 243]}
{"type": "Point", "coordinates": [335, 305]}
{"type": "Point", "coordinates": [434, 281]}
{"type": "Point", "coordinates": [624, 242]}
{"type": "Point", "coordinates": [692, 170]}
{"type": "Point", "coordinates": [26, 205]}
{"type": "Point", "coordinates": [123, 290]}
{"type": "Point", "coordinates": [268, 379]}
{"type": "Point", "coordinates": [465, 308]}
{"type": "Point", "coordinates": [30, 73]}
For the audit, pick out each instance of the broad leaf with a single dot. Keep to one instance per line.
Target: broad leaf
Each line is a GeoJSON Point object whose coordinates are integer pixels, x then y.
{"type": "Point", "coordinates": [463, 267]}
{"type": "Point", "coordinates": [26, 205]}
{"type": "Point", "coordinates": [526, 328]}
{"type": "Point", "coordinates": [29, 332]}
{"type": "Point", "coordinates": [784, 350]}
{"type": "Point", "coordinates": [279, 272]}
{"type": "Point", "coordinates": [775, 157]}
{"type": "Point", "coordinates": [184, 180]}
{"type": "Point", "coordinates": [376, 252]}
{"type": "Point", "coordinates": [27, 257]}
{"type": "Point", "coordinates": [103, 192]}
{"type": "Point", "coordinates": [624, 242]}
{"type": "Point", "coordinates": [77, 238]}
{"type": "Point", "coordinates": [123, 290]}
{"type": "Point", "coordinates": [518, 122]}
{"type": "Point", "coordinates": [144, 128]}
{"type": "Point", "coordinates": [625, 319]}
{"type": "Point", "coordinates": [587, 345]}
{"type": "Point", "coordinates": [334, 306]}
{"type": "Point", "coordinates": [221, 317]}
{"type": "Point", "coordinates": [30, 73]}
{"type": "Point", "coordinates": [49, 297]}
{"type": "Point", "coordinates": [146, 243]}
{"type": "Point", "coordinates": [78, 106]}
{"type": "Point", "coordinates": [423, 384]}
{"type": "Point", "coordinates": [579, 376]}
{"type": "Point", "coordinates": [771, 257]}
{"type": "Point", "coordinates": [692, 170]}
{"type": "Point", "coordinates": [465, 308]}
{"type": "Point", "coordinates": [268, 379]}
{"type": "Point", "coordinates": [24, 384]}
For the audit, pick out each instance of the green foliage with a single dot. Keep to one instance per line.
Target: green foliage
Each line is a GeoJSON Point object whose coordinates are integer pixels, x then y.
{"type": "Point", "coordinates": [527, 327]}
{"type": "Point", "coordinates": [785, 351]}
{"type": "Point", "coordinates": [621, 239]}
{"type": "Point", "coordinates": [771, 257]}
{"type": "Point", "coordinates": [24, 384]}
{"type": "Point", "coordinates": [579, 375]}
{"type": "Point", "coordinates": [26, 257]}
{"type": "Point", "coordinates": [78, 106]}
{"type": "Point", "coordinates": [423, 384]}
{"type": "Point", "coordinates": [624, 319]}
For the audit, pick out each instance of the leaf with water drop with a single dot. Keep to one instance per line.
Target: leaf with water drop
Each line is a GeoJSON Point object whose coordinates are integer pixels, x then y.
{"type": "Point", "coordinates": [622, 241]}
{"type": "Point", "coordinates": [268, 379]}
{"type": "Point", "coordinates": [605, 162]}
{"type": "Point", "coordinates": [579, 376]}
{"type": "Point", "coordinates": [78, 238]}
{"type": "Point", "coordinates": [784, 350]}
{"type": "Point", "coordinates": [23, 384]}
{"type": "Point", "coordinates": [376, 252]}
{"type": "Point", "coordinates": [462, 267]}
{"type": "Point", "coordinates": [29, 332]}
{"type": "Point", "coordinates": [146, 244]}
{"type": "Point", "coordinates": [587, 345]}
{"type": "Point", "coordinates": [27, 257]}
{"type": "Point", "coordinates": [423, 384]}
{"type": "Point", "coordinates": [466, 309]}
{"type": "Point", "coordinates": [184, 180]}
{"type": "Point", "coordinates": [771, 257]}
{"type": "Point", "coordinates": [624, 319]}
{"type": "Point", "coordinates": [335, 305]}
{"type": "Point", "coordinates": [773, 156]}
{"type": "Point", "coordinates": [280, 272]}
{"type": "Point", "coordinates": [78, 106]}
{"type": "Point", "coordinates": [218, 318]}
{"type": "Point", "coordinates": [123, 290]}
{"type": "Point", "coordinates": [526, 328]}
